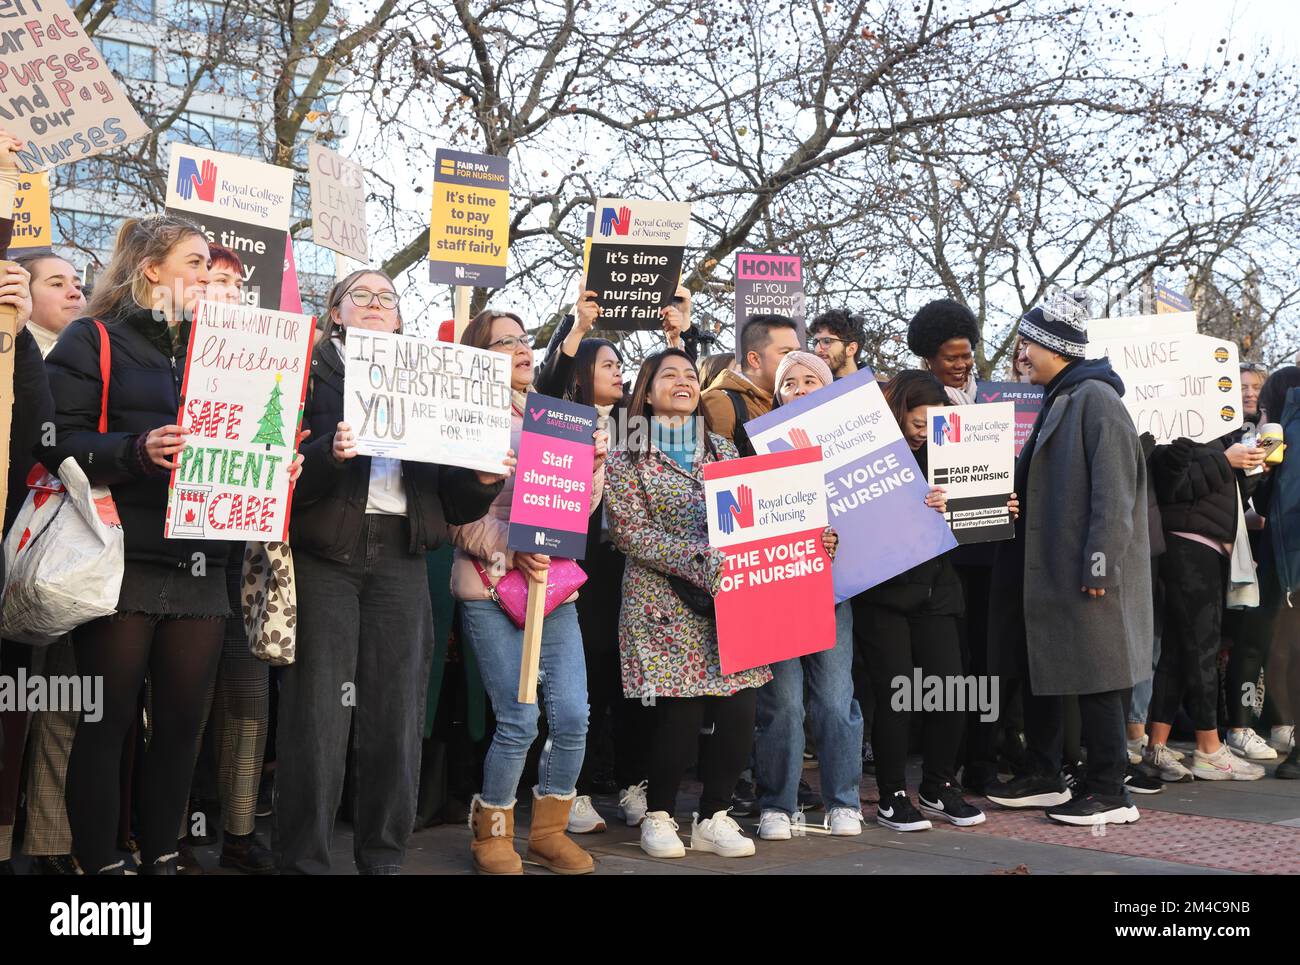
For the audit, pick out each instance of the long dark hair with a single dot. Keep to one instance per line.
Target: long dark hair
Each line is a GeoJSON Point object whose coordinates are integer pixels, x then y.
{"type": "Point", "coordinates": [1272, 397]}
{"type": "Point", "coordinates": [911, 389]}
{"type": "Point", "coordinates": [639, 405]}
{"type": "Point", "coordinates": [582, 387]}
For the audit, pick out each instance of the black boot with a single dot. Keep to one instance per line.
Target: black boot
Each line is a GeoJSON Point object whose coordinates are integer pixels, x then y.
{"type": "Point", "coordinates": [245, 853]}
{"type": "Point", "coordinates": [55, 864]}
{"type": "Point", "coordinates": [1289, 769]}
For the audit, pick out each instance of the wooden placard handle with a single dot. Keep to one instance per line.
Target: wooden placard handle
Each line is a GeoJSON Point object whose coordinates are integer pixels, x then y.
{"type": "Point", "coordinates": [8, 344]}
{"type": "Point", "coordinates": [532, 656]}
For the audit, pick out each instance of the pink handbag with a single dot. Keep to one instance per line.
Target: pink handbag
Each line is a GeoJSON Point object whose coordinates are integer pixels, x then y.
{"type": "Point", "coordinates": [511, 592]}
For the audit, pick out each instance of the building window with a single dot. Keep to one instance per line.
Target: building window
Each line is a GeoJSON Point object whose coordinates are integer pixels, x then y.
{"type": "Point", "coordinates": [141, 11]}
{"type": "Point", "coordinates": [128, 60]}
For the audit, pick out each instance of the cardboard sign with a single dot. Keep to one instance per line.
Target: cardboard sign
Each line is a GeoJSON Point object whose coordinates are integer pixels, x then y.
{"type": "Point", "coordinates": [31, 215]}
{"type": "Point", "coordinates": [469, 229]}
{"type": "Point", "coordinates": [424, 400]}
{"type": "Point", "coordinates": [1141, 326]}
{"type": "Point", "coordinates": [635, 261]}
{"type": "Point", "coordinates": [768, 285]}
{"type": "Point", "coordinates": [777, 599]}
{"type": "Point", "coordinates": [971, 454]}
{"type": "Point", "coordinates": [242, 204]}
{"type": "Point", "coordinates": [1028, 400]}
{"type": "Point", "coordinates": [874, 488]}
{"type": "Point", "coordinates": [551, 503]}
{"type": "Point", "coordinates": [338, 202]}
{"type": "Point", "coordinates": [245, 381]}
{"type": "Point", "coordinates": [57, 94]}
{"type": "Point", "coordinates": [1177, 385]}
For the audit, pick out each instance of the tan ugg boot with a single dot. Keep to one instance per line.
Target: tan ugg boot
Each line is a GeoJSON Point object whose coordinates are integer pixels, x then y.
{"type": "Point", "coordinates": [548, 845]}
{"type": "Point", "coordinates": [493, 846]}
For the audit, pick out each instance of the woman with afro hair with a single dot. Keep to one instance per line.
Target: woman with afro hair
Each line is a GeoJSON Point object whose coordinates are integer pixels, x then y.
{"type": "Point", "coordinates": [944, 334]}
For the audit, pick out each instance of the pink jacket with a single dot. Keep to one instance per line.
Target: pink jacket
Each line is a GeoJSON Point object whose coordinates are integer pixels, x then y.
{"type": "Point", "coordinates": [485, 539]}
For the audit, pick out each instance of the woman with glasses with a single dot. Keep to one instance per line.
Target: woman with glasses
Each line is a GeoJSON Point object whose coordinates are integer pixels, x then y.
{"type": "Point", "coordinates": [482, 559]}
{"type": "Point", "coordinates": [360, 528]}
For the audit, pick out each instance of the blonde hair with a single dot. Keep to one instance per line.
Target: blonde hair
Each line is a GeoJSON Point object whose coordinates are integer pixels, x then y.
{"type": "Point", "coordinates": [140, 242]}
{"type": "Point", "coordinates": [341, 288]}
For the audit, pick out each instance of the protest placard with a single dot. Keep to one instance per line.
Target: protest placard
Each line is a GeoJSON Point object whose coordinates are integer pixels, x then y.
{"type": "Point", "coordinates": [551, 502]}
{"type": "Point", "coordinates": [57, 95]}
{"type": "Point", "coordinates": [242, 204]}
{"type": "Point", "coordinates": [777, 599]}
{"type": "Point", "coordinates": [875, 490]}
{"type": "Point", "coordinates": [768, 284]}
{"type": "Point", "coordinates": [338, 202]}
{"type": "Point", "coordinates": [31, 215]}
{"type": "Point", "coordinates": [245, 380]}
{"type": "Point", "coordinates": [1141, 326]}
{"type": "Point", "coordinates": [425, 400]}
{"type": "Point", "coordinates": [1176, 385]}
{"type": "Point", "coordinates": [469, 229]}
{"type": "Point", "coordinates": [635, 261]}
{"type": "Point", "coordinates": [1028, 400]}
{"type": "Point", "coordinates": [971, 454]}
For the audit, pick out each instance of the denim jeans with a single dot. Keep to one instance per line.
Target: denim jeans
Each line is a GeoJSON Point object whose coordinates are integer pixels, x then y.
{"type": "Point", "coordinates": [562, 685]}
{"type": "Point", "coordinates": [836, 725]}
{"type": "Point", "coordinates": [365, 643]}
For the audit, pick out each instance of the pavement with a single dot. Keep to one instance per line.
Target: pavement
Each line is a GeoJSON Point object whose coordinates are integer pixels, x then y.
{"type": "Point", "coordinates": [1188, 829]}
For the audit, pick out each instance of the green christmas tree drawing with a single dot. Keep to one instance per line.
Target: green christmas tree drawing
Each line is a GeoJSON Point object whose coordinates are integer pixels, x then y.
{"type": "Point", "coordinates": [270, 428]}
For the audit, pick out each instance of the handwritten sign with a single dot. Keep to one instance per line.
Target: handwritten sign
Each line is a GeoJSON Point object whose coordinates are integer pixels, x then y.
{"type": "Point", "coordinates": [426, 400]}
{"type": "Point", "coordinates": [57, 94]}
{"type": "Point", "coordinates": [971, 454]}
{"type": "Point", "coordinates": [245, 381]}
{"type": "Point", "coordinates": [551, 502]}
{"type": "Point", "coordinates": [777, 598]}
{"type": "Point", "coordinates": [338, 202]}
{"type": "Point", "coordinates": [469, 229]}
{"type": "Point", "coordinates": [242, 204]}
{"type": "Point", "coordinates": [635, 260]}
{"type": "Point", "coordinates": [31, 214]}
{"type": "Point", "coordinates": [768, 285]}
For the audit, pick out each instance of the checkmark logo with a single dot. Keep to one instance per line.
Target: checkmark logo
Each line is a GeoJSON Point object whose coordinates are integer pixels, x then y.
{"type": "Point", "coordinates": [536, 414]}
{"type": "Point", "coordinates": [991, 398]}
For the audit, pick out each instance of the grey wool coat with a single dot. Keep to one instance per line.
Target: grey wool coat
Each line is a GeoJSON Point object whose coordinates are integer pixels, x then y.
{"type": "Point", "coordinates": [1085, 525]}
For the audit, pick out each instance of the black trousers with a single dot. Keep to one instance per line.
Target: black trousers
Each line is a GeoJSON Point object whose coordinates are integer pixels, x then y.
{"type": "Point", "coordinates": [722, 757]}
{"type": "Point", "coordinates": [1252, 631]}
{"type": "Point", "coordinates": [1194, 578]}
{"type": "Point", "coordinates": [897, 644]}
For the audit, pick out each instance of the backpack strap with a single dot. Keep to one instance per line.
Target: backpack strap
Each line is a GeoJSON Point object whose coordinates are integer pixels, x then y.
{"type": "Point", "coordinates": [105, 367]}
{"type": "Point", "coordinates": [740, 437]}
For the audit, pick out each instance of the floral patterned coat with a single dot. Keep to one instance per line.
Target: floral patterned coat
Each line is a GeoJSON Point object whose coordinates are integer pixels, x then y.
{"type": "Point", "coordinates": [657, 518]}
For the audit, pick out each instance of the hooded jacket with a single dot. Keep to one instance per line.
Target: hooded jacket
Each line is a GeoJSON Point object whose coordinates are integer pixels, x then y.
{"type": "Point", "coordinates": [719, 412]}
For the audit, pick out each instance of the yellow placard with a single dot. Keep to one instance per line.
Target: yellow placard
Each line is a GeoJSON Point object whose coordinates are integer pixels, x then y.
{"type": "Point", "coordinates": [469, 225]}
{"type": "Point", "coordinates": [32, 212]}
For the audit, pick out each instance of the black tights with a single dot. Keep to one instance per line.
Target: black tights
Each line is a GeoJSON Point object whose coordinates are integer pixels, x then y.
{"type": "Point", "coordinates": [180, 658]}
{"type": "Point", "coordinates": [725, 754]}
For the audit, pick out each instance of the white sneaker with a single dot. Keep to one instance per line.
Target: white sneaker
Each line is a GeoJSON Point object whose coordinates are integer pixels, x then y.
{"type": "Point", "coordinates": [1282, 738]}
{"type": "Point", "coordinates": [1244, 742]}
{"type": "Point", "coordinates": [1135, 749]}
{"type": "Point", "coordinates": [632, 804]}
{"type": "Point", "coordinates": [774, 825]}
{"type": "Point", "coordinates": [720, 835]}
{"type": "Point", "coordinates": [1159, 761]}
{"type": "Point", "coordinates": [844, 822]}
{"type": "Point", "coordinates": [1223, 765]}
{"type": "Point", "coordinates": [659, 836]}
{"type": "Point", "coordinates": [583, 817]}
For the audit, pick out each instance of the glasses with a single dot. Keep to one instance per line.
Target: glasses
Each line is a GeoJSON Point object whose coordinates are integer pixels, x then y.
{"type": "Point", "coordinates": [363, 298]}
{"type": "Point", "coordinates": [513, 342]}
{"type": "Point", "coordinates": [1258, 367]}
{"type": "Point", "coordinates": [824, 341]}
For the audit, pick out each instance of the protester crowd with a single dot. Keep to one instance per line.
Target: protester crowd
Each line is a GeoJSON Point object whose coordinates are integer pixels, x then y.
{"type": "Point", "coordinates": [1134, 568]}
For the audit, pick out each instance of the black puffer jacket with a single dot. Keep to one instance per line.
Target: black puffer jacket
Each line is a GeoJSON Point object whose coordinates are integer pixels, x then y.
{"type": "Point", "coordinates": [1196, 489]}
{"type": "Point", "coordinates": [329, 503]}
{"type": "Point", "coordinates": [144, 393]}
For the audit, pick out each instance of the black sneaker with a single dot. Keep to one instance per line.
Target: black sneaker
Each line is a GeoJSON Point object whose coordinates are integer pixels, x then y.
{"type": "Point", "coordinates": [1095, 809]}
{"type": "Point", "coordinates": [978, 776]}
{"type": "Point", "coordinates": [55, 864]}
{"type": "Point", "coordinates": [245, 853]}
{"type": "Point", "coordinates": [7, 868]}
{"type": "Point", "coordinates": [1139, 783]}
{"type": "Point", "coordinates": [900, 815]}
{"type": "Point", "coordinates": [166, 865]}
{"type": "Point", "coordinates": [947, 803]}
{"type": "Point", "coordinates": [868, 758]}
{"type": "Point", "coordinates": [185, 861]}
{"type": "Point", "coordinates": [1076, 776]}
{"type": "Point", "coordinates": [1029, 792]}
{"type": "Point", "coordinates": [744, 799]}
{"type": "Point", "coordinates": [1289, 769]}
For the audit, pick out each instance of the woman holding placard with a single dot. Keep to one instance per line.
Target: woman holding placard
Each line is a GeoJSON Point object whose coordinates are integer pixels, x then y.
{"type": "Point", "coordinates": [482, 560]}
{"type": "Point", "coordinates": [172, 607]}
{"type": "Point", "coordinates": [668, 638]}
{"type": "Point", "coordinates": [360, 529]}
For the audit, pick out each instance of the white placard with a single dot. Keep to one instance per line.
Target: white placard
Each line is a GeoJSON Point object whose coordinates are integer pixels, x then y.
{"type": "Point", "coordinates": [971, 453]}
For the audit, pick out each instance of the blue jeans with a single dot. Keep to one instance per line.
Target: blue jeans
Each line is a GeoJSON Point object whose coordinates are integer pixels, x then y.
{"type": "Point", "coordinates": [836, 725]}
{"type": "Point", "coordinates": [498, 645]}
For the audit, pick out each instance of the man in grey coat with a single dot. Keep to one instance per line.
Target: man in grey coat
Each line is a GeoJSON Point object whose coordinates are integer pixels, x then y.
{"type": "Point", "coordinates": [1071, 602]}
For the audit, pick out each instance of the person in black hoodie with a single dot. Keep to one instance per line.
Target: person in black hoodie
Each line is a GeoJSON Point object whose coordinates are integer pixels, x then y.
{"type": "Point", "coordinates": [360, 528]}
{"type": "Point", "coordinates": [173, 604]}
{"type": "Point", "coordinates": [909, 623]}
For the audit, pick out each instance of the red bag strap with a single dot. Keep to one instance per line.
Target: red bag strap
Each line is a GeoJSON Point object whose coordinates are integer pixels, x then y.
{"type": "Point", "coordinates": [482, 575]}
{"type": "Point", "coordinates": [105, 364]}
